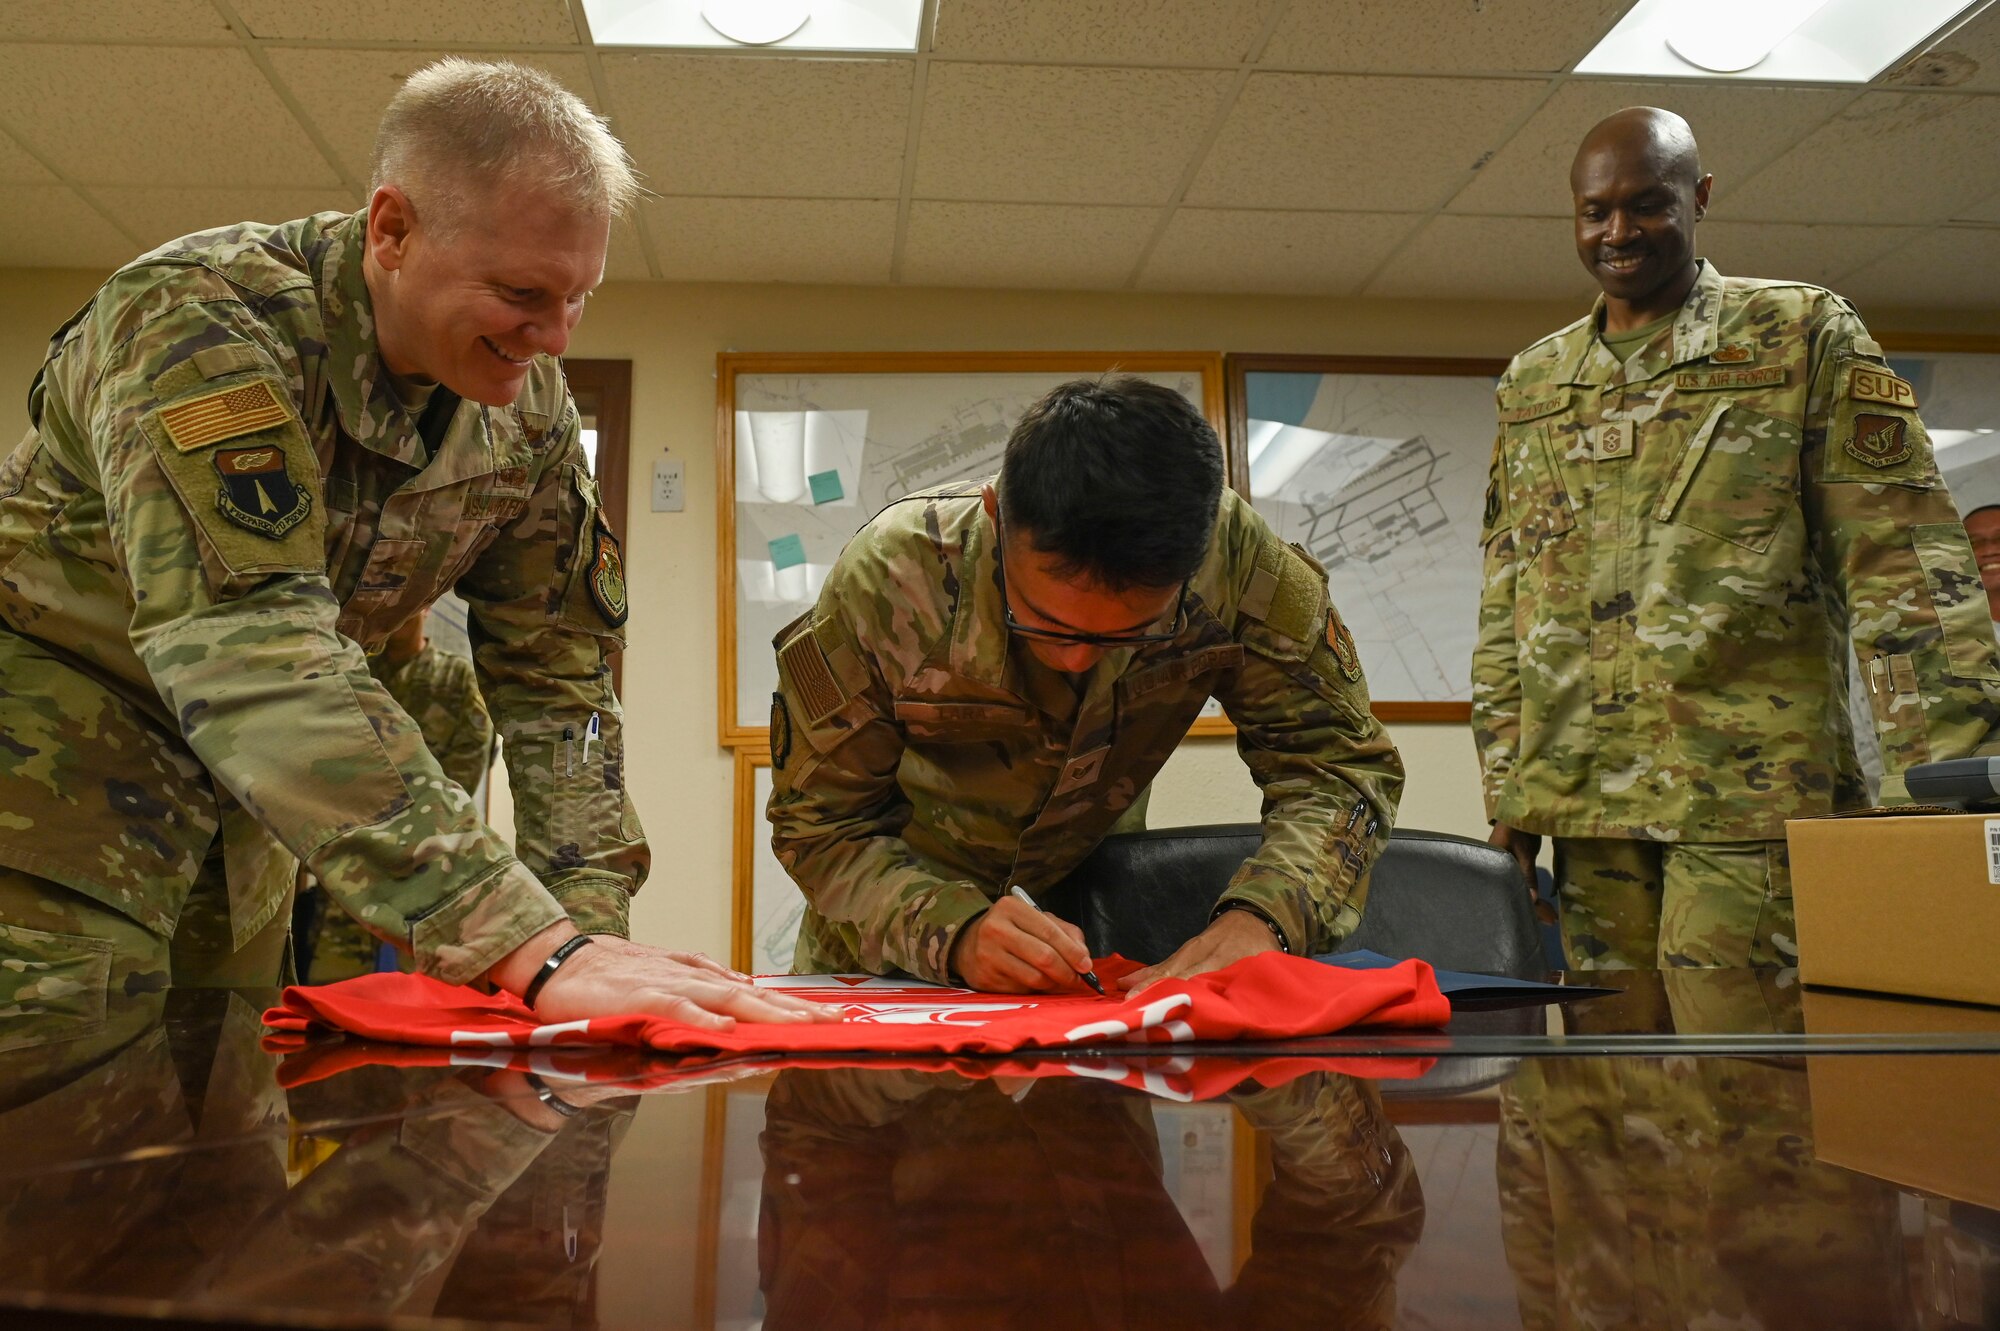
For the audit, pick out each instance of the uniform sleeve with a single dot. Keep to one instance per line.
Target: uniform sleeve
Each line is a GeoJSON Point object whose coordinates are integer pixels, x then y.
{"type": "Point", "coordinates": [212, 492]}
{"type": "Point", "coordinates": [1331, 778]}
{"type": "Point", "coordinates": [466, 749]}
{"type": "Point", "coordinates": [1890, 542]}
{"type": "Point", "coordinates": [1496, 668]}
{"type": "Point", "coordinates": [547, 609]}
{"type": "Point", "coordinates": [836, 810]}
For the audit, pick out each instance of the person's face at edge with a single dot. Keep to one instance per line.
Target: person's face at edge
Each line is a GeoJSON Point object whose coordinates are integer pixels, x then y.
{"type": "Point", "coordinates": [472, 306]}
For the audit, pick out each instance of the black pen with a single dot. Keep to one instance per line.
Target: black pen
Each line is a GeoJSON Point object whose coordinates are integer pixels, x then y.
{"type": "Point", "coordinates": [1089, 977]}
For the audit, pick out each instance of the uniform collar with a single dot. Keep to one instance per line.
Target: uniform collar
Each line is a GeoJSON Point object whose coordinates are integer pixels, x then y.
{"type": "Point", "coordinates": [362, 392]}
{"type": "Point", "coordinates": [1694, 337]}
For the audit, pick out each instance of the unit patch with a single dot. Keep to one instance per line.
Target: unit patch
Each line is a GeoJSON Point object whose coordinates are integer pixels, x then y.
{"type": "Point", "coordinates": [1879, 441]}
{"type": "Point", "coordinates": [1732, 353]}
{"type": "Point", "coordinates": [607, 578]}
{"type": "Point", "coordinates": [1755, 378]}
{"type": "Point", "coordinates": [258, 493]}
{"type": "Point", "coordinates": [1872, 383]}
{"type": "Point", "coordinates": [781, 731]}
{"type": "Point", "coordinates": [223, 414]}
{"type": "Point", "coordinates": [1341, 643]}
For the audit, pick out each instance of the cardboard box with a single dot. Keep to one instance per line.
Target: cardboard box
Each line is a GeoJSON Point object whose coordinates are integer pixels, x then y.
{"type": "Point", "coordinates": [1900, 901]}
{"type": "Point", "coordinates": [1924, 1121]}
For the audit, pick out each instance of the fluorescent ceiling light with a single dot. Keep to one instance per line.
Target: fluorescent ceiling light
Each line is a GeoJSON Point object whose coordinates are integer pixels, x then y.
{"type": "Point", "coordinates": [1771, 41]}
{"type": "Point", "coordinates": [764, 25]}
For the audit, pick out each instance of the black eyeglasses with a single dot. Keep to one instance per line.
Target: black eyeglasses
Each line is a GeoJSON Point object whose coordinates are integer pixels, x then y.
{"type": "Point", "coordinates": [1111, 640]}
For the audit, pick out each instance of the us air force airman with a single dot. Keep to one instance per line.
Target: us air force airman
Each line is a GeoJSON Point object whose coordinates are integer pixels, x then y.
{"type": "Point", "coordinates": [253, 454]}
{"type": "Point", "coordinates": [993, 675]}
{"type": "Point", "coordinates": [1700, 492]}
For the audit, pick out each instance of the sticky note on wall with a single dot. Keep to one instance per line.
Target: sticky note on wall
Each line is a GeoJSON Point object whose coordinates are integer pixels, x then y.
{"type": "Point", "coordinates": [826, 487]}
{"type": "Point", "coordinates": [787, 552]}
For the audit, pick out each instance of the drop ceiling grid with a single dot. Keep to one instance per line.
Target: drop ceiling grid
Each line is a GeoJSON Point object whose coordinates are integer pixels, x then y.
{"type": "Point", "coordinates": [1043, 138]}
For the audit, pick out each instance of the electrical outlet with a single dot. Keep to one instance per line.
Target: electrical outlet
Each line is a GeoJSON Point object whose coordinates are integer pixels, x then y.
{"type": "Point", "coordinates": [668, 495]}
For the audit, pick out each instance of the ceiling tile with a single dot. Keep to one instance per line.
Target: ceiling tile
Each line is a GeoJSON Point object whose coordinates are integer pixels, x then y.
{"type": "Point", "coordinates": [1119, 32]}
{"type": "Point", "coordinates": [485, 23]}
{"type": "Point", "coordinates": [112, 20]}
{"type": "Point", "coordinates": [157, 216]}
{"type": "Point", "coordinates": [1439, 36]}
{"type": "Point", "coordinates": [1359, 144]}
{"type": "Point", "coordinates": [1047, 134]}
{"type": "Point", "coordinates": [1023, 245]}
{"type": "Point", "coordinates": [1282, 253]}
{"type": "Point", "coordinates": [1487, 258]}
{"type": "Point", "coordinates": [1969, 58]}
{"type": "Point", "coordinates": [345, 92]}
{"type": "Point", "coordinates": [1739, 129]}
{"type": "Point", "coordinates": [48, 226]}
{"type": "Point", "coordinates": [1891, 157]}
{"type": "Point", "coordinates": [626, 260]}
{"type": "Point", "coordinates": [774, 240]}
{"type": "Point", "coordinates": [1822, 255]}
{"type": "Point", "coordinates": [18, 167]}
{"type": "Point", "coordinates": [749, 125]}
{"type": "Point", "coordinates": [1948, 267]}
{"type": "Point", "coordinates": [184, 115]}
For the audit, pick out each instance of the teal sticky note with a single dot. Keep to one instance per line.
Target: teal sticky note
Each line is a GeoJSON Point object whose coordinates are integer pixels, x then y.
{"type": "Point", "coordinates": [826, 487]}
{"type": "Point", "coordinates": [788, 552]}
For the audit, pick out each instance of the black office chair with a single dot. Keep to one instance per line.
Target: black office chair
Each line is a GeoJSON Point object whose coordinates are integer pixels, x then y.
{"type": "Point", "coordinates": [1459, 904]}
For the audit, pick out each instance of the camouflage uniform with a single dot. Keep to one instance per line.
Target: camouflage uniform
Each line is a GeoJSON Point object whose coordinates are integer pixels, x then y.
{"type": "Point", "coordinates": [903, 1199]}
{"type": "Point", "coordinates": [219, 505]}
{"type": "Point", "coordinates": [1651, 1194]}
{"type": "Point", "coordinates": [1676, 546]}
{"type": "Point", "coordinates": [440, 692]}
{"type": "Point", "coordinates": [922, 762]}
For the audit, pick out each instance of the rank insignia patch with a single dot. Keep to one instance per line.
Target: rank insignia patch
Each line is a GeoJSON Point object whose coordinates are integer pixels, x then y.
{"type": "Point", "coordinates": [258, 493]}
{"type": "Point", "coordinates": [223, 414]}
{"type": "Point", "coordinates": [1341, 643]}
{"type": "Point", "coordinates": [1879, 441]}
{"type": "Point", "coordinates": [607, 579]}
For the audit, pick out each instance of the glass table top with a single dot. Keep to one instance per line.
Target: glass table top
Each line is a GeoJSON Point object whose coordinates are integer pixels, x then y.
{"type": "Point", "coordinates": [1604, 1163]}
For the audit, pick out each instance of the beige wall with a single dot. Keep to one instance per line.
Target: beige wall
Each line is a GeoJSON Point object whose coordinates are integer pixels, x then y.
{"type": "Point", "coordinates": [672, 333]}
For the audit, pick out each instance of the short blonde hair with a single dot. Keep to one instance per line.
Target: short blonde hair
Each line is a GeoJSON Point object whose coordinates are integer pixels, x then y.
{"type": "Point", "coordinates": [459, 128]}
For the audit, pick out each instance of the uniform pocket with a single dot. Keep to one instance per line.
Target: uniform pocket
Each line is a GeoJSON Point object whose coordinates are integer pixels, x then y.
{"type": "Point", "coordinates": [60, 976]}
{"type": "Point", "coordinates": [1959, 597]}
{"type": "Point", "coordinates": [1776, 940]}
{"type": "Point", "coordinates": [1737, 477]}
{"type": "Point", "coordinates": [1534, 491]}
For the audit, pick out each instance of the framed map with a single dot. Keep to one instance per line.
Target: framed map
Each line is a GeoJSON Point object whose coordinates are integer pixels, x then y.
{"type": "Point", "coordinates": [1378, 467]}
{"type": "Point", "coordinates": [810, 447]}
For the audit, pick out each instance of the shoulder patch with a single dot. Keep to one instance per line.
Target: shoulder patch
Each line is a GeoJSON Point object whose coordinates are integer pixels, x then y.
{"type": "Point", "coordinates": [1879, 441]}
{"type": "Point", "coordinates": [258, 492]}
{"type": "Point", "coordinates": [804, 659]}
{"type": "Point", "coordinates": [225, 413]}
{"type": "Point", "coordinates": [1341, 643]}
{"type": "Point", "coordinates": [607, 577]}
{"type": "Point", "coordinates": [1878, 383]}
{"type": "Point", "coordinates": [781, 731]}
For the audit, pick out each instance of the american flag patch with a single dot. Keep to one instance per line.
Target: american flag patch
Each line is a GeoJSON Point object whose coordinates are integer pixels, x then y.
{"type": "Point", "coordinates": [223, 414]}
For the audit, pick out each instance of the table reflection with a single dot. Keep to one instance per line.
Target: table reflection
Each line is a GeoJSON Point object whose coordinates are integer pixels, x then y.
{"type": "Point", "coordinates": [173, 1157]}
